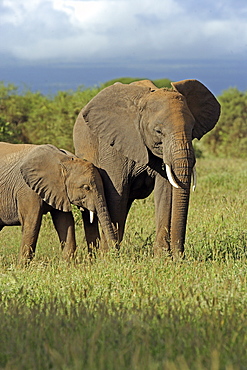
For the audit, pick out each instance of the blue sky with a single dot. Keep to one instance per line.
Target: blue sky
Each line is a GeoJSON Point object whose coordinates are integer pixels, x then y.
{"type": "Point", "coordinates": [51, 44]}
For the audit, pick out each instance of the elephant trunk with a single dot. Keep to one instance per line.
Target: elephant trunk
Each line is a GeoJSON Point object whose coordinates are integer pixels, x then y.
{"type": "Point", "coordinates": [105, 221]}
{"type": "Point", "coordinates": [181, 168]}
{"type": "Point", "coordinates": [180, 204]}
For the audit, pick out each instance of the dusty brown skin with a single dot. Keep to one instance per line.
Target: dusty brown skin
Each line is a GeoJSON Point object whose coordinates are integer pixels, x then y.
{"type": "Point", "coordinates": [132, 133]}
{"type": "Point", "coordinates": [36, 179]}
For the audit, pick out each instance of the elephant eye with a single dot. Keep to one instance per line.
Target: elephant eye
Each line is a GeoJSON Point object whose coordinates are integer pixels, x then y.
{"type": "Point", "coordinates": [158, 131]}
{"type": "Point", "coordinates": [86, 187]}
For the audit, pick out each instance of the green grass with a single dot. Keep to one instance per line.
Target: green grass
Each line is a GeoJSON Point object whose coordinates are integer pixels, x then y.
{"type": "Point", "coordinates": [133, 311]}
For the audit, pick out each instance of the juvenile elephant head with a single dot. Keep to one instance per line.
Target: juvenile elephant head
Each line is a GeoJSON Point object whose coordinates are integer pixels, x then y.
{"type": "Point", "coordinates": [142, 121]}
{"type": "Point", "coordinates": [62, 179]}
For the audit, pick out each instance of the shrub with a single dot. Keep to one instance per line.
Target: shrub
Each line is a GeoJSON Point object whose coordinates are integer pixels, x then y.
{"type": "Point", "coordinates": [229, 137]}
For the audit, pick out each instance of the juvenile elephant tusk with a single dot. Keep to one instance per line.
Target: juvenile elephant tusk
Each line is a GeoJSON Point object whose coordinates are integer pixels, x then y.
{"type": "Point", "coordinates": [91, 216]}
{"type": "Point", "coordinates": [194, 178]}
{"type": "Point", "coordinates": [170, 176]}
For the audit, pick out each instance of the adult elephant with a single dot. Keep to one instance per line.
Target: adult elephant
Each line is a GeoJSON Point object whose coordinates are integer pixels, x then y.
{"type": "Point", "coordinates": [141, 139]}
{"type": "Point", "coordinates": [36, 179]}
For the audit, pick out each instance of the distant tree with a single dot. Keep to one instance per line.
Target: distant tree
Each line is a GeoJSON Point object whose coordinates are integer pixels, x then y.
{"type": "Point", "coordinates": [10, 113]}
{"type": "Point", "coordinates": [34, 118]}
{"type": "Point", "coordinates": [229, 137]}
{"type": "Point", "coordinates": [164, 82]}
{"type": "Point", "coordinates": [53, 119]}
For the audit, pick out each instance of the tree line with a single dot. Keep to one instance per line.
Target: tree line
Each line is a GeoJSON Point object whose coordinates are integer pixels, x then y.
{"type": "Point", "coordinates": [30, 117]}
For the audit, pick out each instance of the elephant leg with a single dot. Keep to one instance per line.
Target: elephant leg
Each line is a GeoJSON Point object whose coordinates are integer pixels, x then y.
{"type": "Point", "coordinates": [163, 206]}
{"type": "Point", "coordinates": [30, 231]}
{"type": "Point", "coordinates": [91, 229]}
{"type": "Point", "coordinates": [119, 215]}
{"type": "Point", "coordinates": [30, 215]}
{"type": "Point", "coordinates": [65, 227]}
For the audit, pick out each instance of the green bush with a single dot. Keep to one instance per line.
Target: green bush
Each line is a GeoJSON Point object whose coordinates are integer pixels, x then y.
{"type": "Point", "coordinates": [163, 82]}
{"type": "Point", "coordinates": [34, 118]}
{"type": "Point", "coordinates": [229, 137]}
{"type": "Point", "coordinates": [11, 114]}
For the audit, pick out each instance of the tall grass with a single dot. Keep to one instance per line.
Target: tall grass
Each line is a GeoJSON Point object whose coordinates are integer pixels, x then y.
{"type": "Point", "coordinates": [132, 310]}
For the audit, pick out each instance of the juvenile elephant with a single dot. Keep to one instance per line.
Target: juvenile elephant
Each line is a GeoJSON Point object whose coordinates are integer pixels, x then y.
{"type": "Point", "coordinates": [141, 139]}
{"type": "Point", "coordinates": [36, 179]}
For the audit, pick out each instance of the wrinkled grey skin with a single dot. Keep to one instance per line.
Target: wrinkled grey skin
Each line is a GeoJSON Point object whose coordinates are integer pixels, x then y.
{"type": "Point", "coordinates": [36, 179]}
{"type": "Point", "coordinates": [132, 133]}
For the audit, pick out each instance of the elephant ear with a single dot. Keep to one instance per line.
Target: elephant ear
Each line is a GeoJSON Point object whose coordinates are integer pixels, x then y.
{"type": "Point", "coordinates": [43, 170]}
{"type": "Point", "coordinates": [202, 104]}
{"type": "Point", "coordinates": [113, 116]}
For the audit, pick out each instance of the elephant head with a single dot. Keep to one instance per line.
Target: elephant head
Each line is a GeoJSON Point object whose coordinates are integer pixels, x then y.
{"type": "Point", "coordinates": [62, 179]}
{"type": "Point", "coordinates": [144, 122]}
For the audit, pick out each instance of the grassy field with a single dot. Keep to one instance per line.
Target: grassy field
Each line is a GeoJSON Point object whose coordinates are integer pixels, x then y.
{"type": "Point", "coordinates": [134, 311]}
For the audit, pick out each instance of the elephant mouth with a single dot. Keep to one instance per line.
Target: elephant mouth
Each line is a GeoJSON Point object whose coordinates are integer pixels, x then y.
{"type": "Point", "coordinates": [158, 149]}
{"type": "Point", "coordinates": [158, 145]}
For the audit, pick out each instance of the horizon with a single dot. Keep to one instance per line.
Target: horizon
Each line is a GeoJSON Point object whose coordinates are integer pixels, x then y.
{"type": "Point", "coordinates": [48, 80]}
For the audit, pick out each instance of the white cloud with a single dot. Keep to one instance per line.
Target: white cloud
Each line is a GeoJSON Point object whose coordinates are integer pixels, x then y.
{"type": "Point", "coordinates": [71, 30]}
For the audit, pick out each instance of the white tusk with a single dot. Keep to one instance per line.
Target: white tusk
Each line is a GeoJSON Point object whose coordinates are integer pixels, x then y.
{"type": "Point", "coordinates": [194, 178]}
{"type": "Point", "coordinates": [91, 216]}
{"type": "Point", "coordinates": [170, 177]}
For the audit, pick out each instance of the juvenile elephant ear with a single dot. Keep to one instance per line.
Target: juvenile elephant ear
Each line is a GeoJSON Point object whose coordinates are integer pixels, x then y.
{"type": "Point", "coordinates": [42, 170]}
{"type": "Point", "coordinates": [202, 104]}
{"type": "Point", "coordinates": [113, 115]}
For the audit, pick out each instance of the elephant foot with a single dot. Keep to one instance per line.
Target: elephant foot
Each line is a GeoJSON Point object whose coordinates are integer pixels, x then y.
{"type": "Point", "coordinates": [68, 252]}
{"type": "Point", "coordinates": [162, 252]}
{"type": "Point", "coordinates": [162, 246]}
{"type": "Point", "coordinates": [168, 254]}
{"type": "Point", "coordinates": [26, 255]}
{"type": "Point", "coordinates": [165, 251]}
{"type": "Point", "coordinates": [102, 248]}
